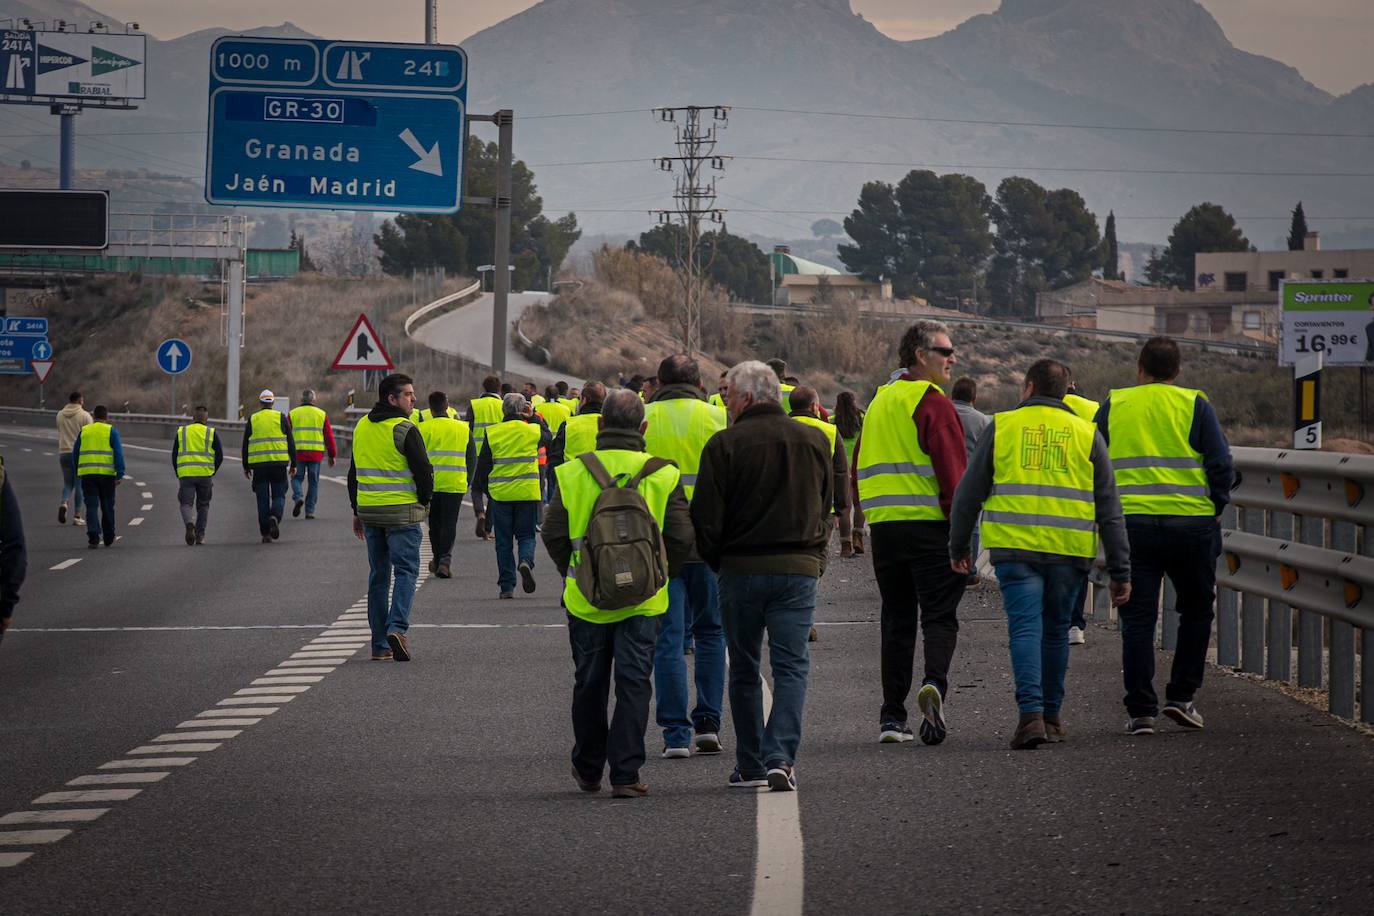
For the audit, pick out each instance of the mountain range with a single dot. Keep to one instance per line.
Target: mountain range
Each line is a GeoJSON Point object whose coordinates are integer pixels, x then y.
{"type": "Point", "coordinates": [1143, 106]}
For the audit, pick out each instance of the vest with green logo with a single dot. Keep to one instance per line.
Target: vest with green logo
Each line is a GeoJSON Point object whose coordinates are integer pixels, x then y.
{"type": "Point", "coordinates": [679, 430]}
{"type": "Point", "coordinates": [486, 413]}
{"type": "Point", "coordinates": [267, 438]}
{"type": "Point", "coordinates": [515, 462]}
{"type": "Point", "coordinates": [818, 423]}
{"type": "Point", "coordinates": [1086, 409]}
{"type": "Point", "coordinates": [195, 451]}
{"type": "Point", "coordinates": [579, 491]}
{"type": "Point", "coordinates": [1042, 483]}
{"type": "Point", "coordinates": [381, 469]}
{"type": "Point", "coordinates": [446, 441]}
{"type": "Point", "coordinates": [97, 452]}
{"type": "Point", "coordinates": [896, 479]}
{"type": "Point", "coordinates": [554, 414]}
{"type": "Point", "coordinates": [579, 434]}
{"type": "Point", "coordinates": [1157, 471]}
{"type": "Point", "coordinates": [307, 428]}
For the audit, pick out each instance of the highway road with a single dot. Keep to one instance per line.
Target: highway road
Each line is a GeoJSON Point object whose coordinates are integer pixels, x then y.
{"type": "Point", "coordinates": [466, 332]}
{"type": "Point", "coordinates": [236, 751]}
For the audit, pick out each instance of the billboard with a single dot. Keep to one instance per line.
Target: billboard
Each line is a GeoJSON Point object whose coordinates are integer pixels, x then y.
{"type": "Point", "coordinates": [83, 65]}
{"type": "Point", "coordinates": [1332, 317]}
{"type": "Point", "coordinates": [54, 219]}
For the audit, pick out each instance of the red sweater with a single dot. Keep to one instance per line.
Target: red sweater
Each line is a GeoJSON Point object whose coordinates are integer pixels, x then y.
{"type": "Point", "coordinates": [940, 434]}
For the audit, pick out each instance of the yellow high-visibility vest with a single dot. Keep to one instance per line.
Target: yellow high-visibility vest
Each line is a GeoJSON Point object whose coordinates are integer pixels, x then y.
{"type": "Point", "coordinates": [554, 414]}
{"type": "Point", "coordinates": [381, 469]}
{"type": "Point", "coordinates": [1083, 407]}
{"type": "Point", "coordinates": [827, 428]}
{"type": "Point", "coordinates": [195, 451]}
{"type": "Point", "coordinates": [515, 462]}
{"type": "Point", "coordinates": [579, 434]}
{"type": "Point", "coordinates": [896, 478]}
{"type": "Point", "coordinates": [1157, 471]}
{"type": "Point", "coordinates": [267, 438]}
{"type": "Point", "coordinates": [307, 428]}
{"type": "Point", "coordinates": [679, 430]}
{"type": "Point", "coordinates": [96, 451]}
{"type": "Point", "coordinates": [446, 441]}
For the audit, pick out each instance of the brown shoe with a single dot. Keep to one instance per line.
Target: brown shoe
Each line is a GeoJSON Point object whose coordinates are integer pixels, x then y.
{"type": "Point", "coordinates": [400, 647]}
{"type": "Point", "coordinates": [443, 571]}
{"type": "Point", "coordinates": [812, 637]}
{"type": "Point", "coordinates": [847, 549]}
{"type": "Point", "coordinates": [583, 784]}
{"type": "Point", "coordinates": [383, 656]}
{"type": "Point", "coordinates": [1055, 732]}
{"type": "Point", "coordinates": [858, 541]}
{"type": "Point", "coordinates": [637, 790]}
{"type": "Point", "coordinates": [1030, 732]}
{"type": "Point", "coordinates": [432, 566]}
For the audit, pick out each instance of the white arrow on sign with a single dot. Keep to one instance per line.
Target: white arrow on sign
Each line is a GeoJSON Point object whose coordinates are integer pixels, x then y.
{"type": "Point", "coordinates": [429, 161]}
{"type": "Point", "coordinates": [174, 356]}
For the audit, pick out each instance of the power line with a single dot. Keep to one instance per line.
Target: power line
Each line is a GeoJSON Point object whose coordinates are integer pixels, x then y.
{"type": "Point", "coordinates": [1286, 217]}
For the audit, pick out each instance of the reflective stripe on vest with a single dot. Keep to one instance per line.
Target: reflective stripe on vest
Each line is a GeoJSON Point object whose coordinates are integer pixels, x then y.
{"type": "Point", "coordinates": [1081, 406]}
{"type": "Point", "coordinates": [679, 430]}
{"type": "Point", "coordinates": [896, 479]}
{"type": "Point", "coordinates": [267, 438]}
{"type": "Point", "coordinates": [382, 472]}
{"type": "Point", "coordinates": [579, 435]}
{"type": "Point", "coordinates": [307, 428]}
{"type": "Point", "coordinates": [828, 429]}
{"type": "Point", "coordinates": [446, 442]}
{"type": "Point", "coordinates": [486, 412]}
{"type": "Point", "coordinates": [1042, 484]}
{"type": "Point", "coordinates": [1157, 471]}
{"type": "Point", "coordinates": [195, 451]}
{"type": "Point", "coordinates": [579, 492]}
{"type": "Point", "coordinates": [515, 462]}
{"type": "Point", "coordinates": [96, 451]}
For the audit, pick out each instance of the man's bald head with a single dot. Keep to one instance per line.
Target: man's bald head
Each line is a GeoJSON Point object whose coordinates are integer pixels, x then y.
{"type": "Point", "coordinates": [679, 369]}
{"type": "Point", "coordinates": [803, 399]}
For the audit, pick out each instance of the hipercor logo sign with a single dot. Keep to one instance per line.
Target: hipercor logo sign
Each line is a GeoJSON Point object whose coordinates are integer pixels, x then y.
{"type": "Point", "coordinates": [83, 65]}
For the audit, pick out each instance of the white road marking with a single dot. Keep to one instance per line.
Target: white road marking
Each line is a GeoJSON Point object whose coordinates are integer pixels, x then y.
{"type": "Point", "coordinates": [59, 816]}
{"type": "Point", "coordinates": [11, 859]}
{"type": "Point", "coordinates": [146, 507]}
{"type": "Point", "coordinates": [220, 735]}
{"type": "Point", "coordinates": [299, 670]}
{"type": "Point", "coordinates": [346, 629]}
{"type": "Point", "coordinates": [175, 748]}
{"type": "Point", "coordinates": [105, 779]}
{"type": "Point", "coordinates": [135, 522]}
{"type": "Point", "coordinates": [31, 837]}
{"type": "Point", "coordinates": [147, 762]}
{"type": "Point", "coordinates": [343, 653]}
{"type": "Point", "coordinates": [279, 690]}
{"type": "Point", "coordinates": [290, 679]}
{"type": "Point", "coordinates": [203, 723]}
{"type": "Point", "coordinates": [65, 564]}
{"type": "Point", "coordinates": [28, 449]}
{"type": "Point", "coordinates": [47, 454]}
{"type": "Point", "coordinates": [249, 701]}
{"type": "Point", "coordinates": [224, 713]}
{"type": "Point", "coordinates": [86, 795]}
{"type": "Point", "coordinates": [139, 483]}
{"type": "Point", "coordinates": [778, 877]}
{"type": "Point", "coordinates": [305, 661]}
{"type": "Point", "coordinates": [146, 495]}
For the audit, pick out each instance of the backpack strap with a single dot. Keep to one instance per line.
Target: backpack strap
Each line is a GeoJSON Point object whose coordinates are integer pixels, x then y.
{"type": "Point", "coordinates": [593, 464]}
{"type": "Point", "coordinates": [652, 466]}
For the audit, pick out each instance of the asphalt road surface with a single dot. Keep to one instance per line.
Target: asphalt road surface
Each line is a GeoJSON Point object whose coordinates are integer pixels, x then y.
{"type": "Point", "coordinates": [466, 331]}
{"type": "Point", "coordinates": [233, 750]}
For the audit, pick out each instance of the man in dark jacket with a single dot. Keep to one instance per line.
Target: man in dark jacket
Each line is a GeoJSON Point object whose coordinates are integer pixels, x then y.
{"type": "Point", "coordinates": [14, 560]}
{"type": "Point", "coordinates": [762, 515]}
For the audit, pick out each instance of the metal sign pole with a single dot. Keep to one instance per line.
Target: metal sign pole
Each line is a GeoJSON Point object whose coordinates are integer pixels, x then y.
{"type": "Point", "coordinates": [505, 120]}
{"type": "Point", "coordinates": [67, 148]}
{"type": "Point", "coordinates": [234, 337]}
{"type": "Point", "coordinates": [174, 395]}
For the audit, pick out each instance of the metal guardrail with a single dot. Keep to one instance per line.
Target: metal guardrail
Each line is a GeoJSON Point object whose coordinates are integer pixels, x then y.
{"type": "Point", "coordinates": [438, 304]}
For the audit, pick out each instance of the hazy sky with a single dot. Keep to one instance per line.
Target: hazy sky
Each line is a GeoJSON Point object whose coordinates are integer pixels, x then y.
{"type": "Point", "coordinates": [1329, 41]}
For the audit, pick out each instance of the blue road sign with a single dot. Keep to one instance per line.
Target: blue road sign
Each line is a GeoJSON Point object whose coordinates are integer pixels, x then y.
{"type": "Point", "coordinates": [16, 352]}
{"type": "Point", "coordinates": [174, 356]}
{"type": "Point", "coordinates": [40, 349]}
{"type": "Point", "coordinates": [26, 327]}
{"type": "Point", "coordinates": [336, 125]}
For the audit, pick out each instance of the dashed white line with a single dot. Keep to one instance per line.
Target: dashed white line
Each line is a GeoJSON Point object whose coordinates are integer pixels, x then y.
{"type": "Point", "coordinates": [175, 748]}
{"type": "Point", "coordinates": [31, 837]}
{"type": "Point", "coordinates": [146, 495]}
{"type": "Point", "coordinates": [203, 723]}
{"type": "Point", "coordinates": [28, 449]}
{"type": "Point", "coordinates": [221, 735]}
{"type": "Point", "coordinates": [11, 859]}
{"type": "Point", "coordinates": [249, 701]}
{"type": "Point", "coordinates": [58, 816]}
{"type": "Point", "coordinates": [222, 713]}
{"type": "Point", "coordinates": [291, 679]}
{"type": "Point", "coordinates": [65, 564]}
{"type": "Point", "coordinates": [275, 672]}
{"type": "Point", "coordinates": [147, 762]}
{"type": "Point", "coordinates": [307, 661]}
{"type": "Point", "coordinates": [86, 795]}
{"type": "Point", "coordinates": [146, 507]}
{"type": "Point", "coordinates": [106, 779]}
{"type": "Point", "coordinates": [135, 522]}
{"type": "Point", "coordinates": [778, 875]}
{"type": "Point", "coordinates": [263, 692]}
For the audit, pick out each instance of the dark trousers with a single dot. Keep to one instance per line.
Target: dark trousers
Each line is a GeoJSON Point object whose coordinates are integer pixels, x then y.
{"type": "Point", "coordinates": [911, 564]}
{"type": "Point", "coordinates": [99, 492]}
{"type": "Point", "coordinates": [443, 524]}
{"type": "Point", "coordinates": [625, 651]}
{"type": "Point", "coordinates": [1185, 550]}
{"type": "Point", "coordinates": [269, 486]}
{"type": "Point", "coordinates": [193, 495]}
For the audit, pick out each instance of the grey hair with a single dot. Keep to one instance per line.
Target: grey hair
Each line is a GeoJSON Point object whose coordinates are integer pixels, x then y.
{"type": "Point", "coordinates": [919, 336]}
{"type": "Point", "coordinates": [514, 405]}
{"type": "Point", "coordinates": [622, 409]}
{"type": "Point", "coordinates": [756, 379]}
{"type": "Point", "coordinates": [308, 396]}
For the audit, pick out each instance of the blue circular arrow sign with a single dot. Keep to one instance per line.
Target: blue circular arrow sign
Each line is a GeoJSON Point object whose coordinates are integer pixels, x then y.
{"type": "Point", "coordinates": [41, 350]}
{"type": "Point", "coordinates": [174, 356]}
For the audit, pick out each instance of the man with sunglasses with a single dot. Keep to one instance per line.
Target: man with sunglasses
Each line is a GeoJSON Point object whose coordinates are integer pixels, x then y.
{"type": "Point", "coordinates": [909, 462]}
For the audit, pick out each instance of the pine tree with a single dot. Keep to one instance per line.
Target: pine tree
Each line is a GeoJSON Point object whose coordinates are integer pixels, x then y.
{"type": "Point", "coordinates": [1111, 257]}
{"type": "Point", "coordinates": [1297, 232]}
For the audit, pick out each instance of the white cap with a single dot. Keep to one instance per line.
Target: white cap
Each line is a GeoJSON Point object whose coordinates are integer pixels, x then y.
{"type": "Point", "coordinates": [266, 396]}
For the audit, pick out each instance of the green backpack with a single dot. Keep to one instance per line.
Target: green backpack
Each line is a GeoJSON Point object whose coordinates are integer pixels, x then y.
{"type": "Point", "coordinates": [624, 560]}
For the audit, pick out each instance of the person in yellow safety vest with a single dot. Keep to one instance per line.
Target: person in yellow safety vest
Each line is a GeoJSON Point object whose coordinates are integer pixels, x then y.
{"type": "Point", "coordinates": [196, 457]}
{"type": "Point", "coordinates": [779, 367]}
{"type": "Point", "coordinates": [718, 399]}
{"type": "Point", "coordinates": [1084, 409]}
{"type": "Point", "coordinates": [269, 458]}
{"type": "Point", "coordinates": [1174, 473]}
{"type": "Point", "coordinates": [98, 456]}
{"type": "Point", "coordinates": [578, 435]}
{"type": "Point", "coordinates": [449, 444]}
{"type": "Point", "coordinates": [909, 462]}
{"type": "Point", "coordinates": [314, 437]}
{"type": "Point", "coordinates": [531, 393]}
{"type": "Point", "coordinates": [14, 556]}
{"type": "Point", "coordinates": [554, 414]}
{"type": "Point", "coordinates": [508, 471]}
{"type": "Point", "coordinates": [565, 397]}
{"type": "Point", "coordinates": [805, 407]}
{"type": "Point", "coordinates": [1043, 482]}
{"type": "Point", "coordinates": [421, 414]}
{"type": "Point", "coordinates": [680, 423]}
{"type": "Point", "coordinates": [390, 485]}
{"type": "Point", "coordinates": [484, 412]}
{"type": "Point", "coordinates": [574, 399]}
{"type": "Point", "coordinates": [849, 423]}
{"type": "Point", "coordinates": [617, 644]}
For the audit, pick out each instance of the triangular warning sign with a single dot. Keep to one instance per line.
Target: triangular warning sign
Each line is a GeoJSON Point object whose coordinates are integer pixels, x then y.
{"type": "Point", "coordinates": [362, 349]}
{"type": "Point", "coordinates": [41, 368]}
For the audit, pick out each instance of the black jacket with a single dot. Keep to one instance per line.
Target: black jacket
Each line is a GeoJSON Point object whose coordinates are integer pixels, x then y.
{"type": "Point", "coordinates": [14, 558]}
{"type": "Point", "coordinates": [414, 450]}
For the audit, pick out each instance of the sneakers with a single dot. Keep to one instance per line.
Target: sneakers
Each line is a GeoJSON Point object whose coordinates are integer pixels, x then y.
{"type": "Point", "coordinates": [200, 540]}
{"type": "Point", "coordinates": [526, 578]}
{"type": "Point", "coordinates": [309, 515]}
{"type": "Point", "coordinates": [782, 779]}
{"type": "Point", "coordinates": [635, 790]}
{"type": "Point", "coordinates": [1076, 636]}
{"type": "Point", "coordinates": [933, 729]}
{"type": "Point", "coordinates": [190, 534]}
{"type": "Point", "coordinates": [109, 540]}
{"type": "Point", "coordinates": [1055, 732]}
{"type": "Point", "coordinates": [1140, 725]}
{"type": "Point", "coordinates": [895, 733]}
{"type": "Point", "coordinates": [676, 753]}
{"type": "Point", "coordinates": [93, 543]}
{"type": "Point", "coordinates": [583, 784]}
{"type": "Point", "coordinates": [78, 520]}
{"type": "Point", "coordinates": [1184, 714]}
{"type": "Point", "coordinates": [507, 595]}
{"type": "Point", "coordinates": [1030, 732]}
{"type": "Point", "coordinates": [400, 647]}
{"type": "Point", "coordinates": [273, 529]}
{"type": "Point", "coordinates": [708, 743]}
{"type": "Point", "coordinates": [739, 781]}
{"type": "Point", "coordinates": [384, 656]}
{"type": "Point", "coordinates": [296, 509]}
{"type": "Point", "coordinates": [62, 514]}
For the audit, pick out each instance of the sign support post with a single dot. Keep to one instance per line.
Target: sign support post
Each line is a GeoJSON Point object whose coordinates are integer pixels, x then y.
{"type": "Point", "coordinates": [66, 144]}
{"type": "Point", "coordinates": [1307, 402]}
{"type": "Point", "coordinates": [233, 338]}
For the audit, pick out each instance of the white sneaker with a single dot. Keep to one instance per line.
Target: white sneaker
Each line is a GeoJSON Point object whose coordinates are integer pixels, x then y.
{"type": "Point", "coordinates": [1076, 636]}
{"type": "Point", "coordinates": [676, 753]}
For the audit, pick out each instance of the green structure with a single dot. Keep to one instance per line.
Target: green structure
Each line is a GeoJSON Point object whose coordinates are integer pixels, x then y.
{"type": "Point", "coordinates": [262, 264]}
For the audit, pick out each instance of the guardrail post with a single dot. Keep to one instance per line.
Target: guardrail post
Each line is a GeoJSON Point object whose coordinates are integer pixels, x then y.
{"type": "Point", "coordinates": [1228, 631]}
{"type": "Point", "coordinates": [1366, 647]}
{"type": "Point", "coordinates": [1312, 530]}
{"type": "Point", "coordinates": [1252, 606]}
{"type": "Point", "coordinates": [1341, 667]}
{"type": "Point", "coordinates": [1280, 659]}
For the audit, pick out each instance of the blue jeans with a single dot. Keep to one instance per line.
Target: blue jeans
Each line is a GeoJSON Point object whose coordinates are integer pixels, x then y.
{"type": "Point", "coordinates": [512, 522]}
{"type": "Point", "coordinates": [100, 507]}
{"type": "Point", "coordinates": [781, 607]}
{"type": "Point", "coordinates": [692, 595]}
{"type": "Point", "coordinates": [1038, 598]}
{"type": "Point", "coordinates": [625, 651]}
{"type": "Point", "coordinates": [391, 551]}
{"type": "Point", "coordinates": [1079, 617]}
{"type": "Point", "coordinates": [304, 469]}
{"type": "Point", "coordinates": [70, 485]}
{"type": "Point", "coordinates": [269, 486]}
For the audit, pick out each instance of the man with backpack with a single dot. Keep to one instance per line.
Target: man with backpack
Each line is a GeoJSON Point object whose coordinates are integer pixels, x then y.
{"type": "Point", "coordinates": [618, 529]}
